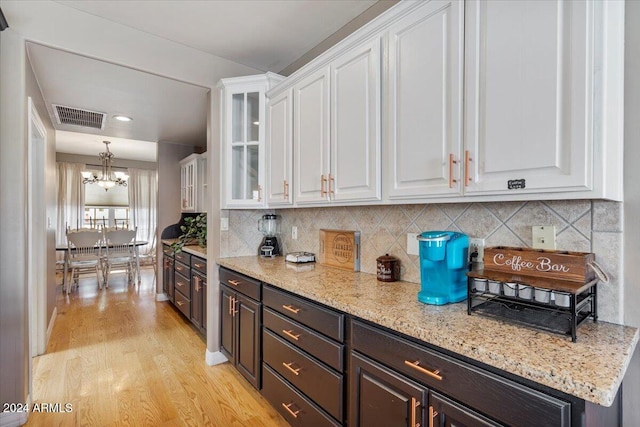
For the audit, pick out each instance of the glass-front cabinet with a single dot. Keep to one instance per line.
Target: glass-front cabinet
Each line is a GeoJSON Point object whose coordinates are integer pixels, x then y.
{"type": "Point", "coordinates": [243, 139]}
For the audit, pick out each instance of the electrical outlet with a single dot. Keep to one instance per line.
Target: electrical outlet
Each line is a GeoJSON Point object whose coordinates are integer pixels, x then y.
{"type": "Point", "coordinates": [224, 224]}
{"type": "Point", "coordinates": [476, 245]}
{"type": "Point", "coordinates": [543, 236]}
{"type": "Point", "coordinates": [412, 244]}
{"type": "Point", "coordinates": [294, 233]}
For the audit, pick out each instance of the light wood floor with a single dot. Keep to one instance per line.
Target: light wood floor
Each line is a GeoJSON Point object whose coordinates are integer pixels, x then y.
{"type": "Point", "coordinates": [122, 359]}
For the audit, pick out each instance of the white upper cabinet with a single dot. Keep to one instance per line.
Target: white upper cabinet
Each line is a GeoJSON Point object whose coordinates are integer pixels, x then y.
{"type": "Point", "coordinates": [193, 175]}
{"type": "Point", "coordinates": [280, 149]}
{"type": "Point", "coordinates": [530, 89]}
{"type": "Point", "coordinates": [423, 106]}
{"type": "Point", "coordinates": [243, 139]}
{"type": "Point", "coordinates": [337, 130]}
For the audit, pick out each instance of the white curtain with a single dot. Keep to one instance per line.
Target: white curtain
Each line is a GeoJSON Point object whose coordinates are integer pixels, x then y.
{"type": "Point", "coordinates": [70, 199]}
{"type": "Point", "coordinates": [143, 197]}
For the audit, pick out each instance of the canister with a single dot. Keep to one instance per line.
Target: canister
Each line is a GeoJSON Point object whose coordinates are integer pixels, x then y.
{"type": "Point", "coordinates": [388, 268]}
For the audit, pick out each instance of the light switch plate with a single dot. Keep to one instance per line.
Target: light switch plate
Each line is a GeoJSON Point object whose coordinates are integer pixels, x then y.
{"type": "Point", "coordinates": [224, 224]}
{"type": "Point", "coordinates": [543, 236]}
{"type": "Point", "coordinates": [412, 244]}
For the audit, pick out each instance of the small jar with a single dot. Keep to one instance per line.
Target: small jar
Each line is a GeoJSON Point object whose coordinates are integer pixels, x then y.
{"type": "Point", "coordinates": [562, 299]}
{"type": "Point", "coordinates": [480, 285]}
{"type": "Point", "coordinates": [509, 289]}
{"type": "Point", "coordinates": [388, 268]}
{"type": "Point", "coordinates": [542, 295]}
{"type": "Point", "coordinates": [525, 291]}
{"type": "Point", "coordinates": [495, 287]}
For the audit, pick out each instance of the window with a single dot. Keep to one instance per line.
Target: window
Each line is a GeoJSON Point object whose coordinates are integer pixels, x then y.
{"type": "Point", "coordinates": [105, 216]}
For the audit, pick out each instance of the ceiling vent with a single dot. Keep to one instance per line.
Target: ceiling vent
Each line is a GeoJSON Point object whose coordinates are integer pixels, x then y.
{"type": "Point", "coordinates": [78, 117]}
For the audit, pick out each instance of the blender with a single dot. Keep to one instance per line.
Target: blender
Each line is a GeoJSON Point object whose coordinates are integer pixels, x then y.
{"type": "Point", "coordinates": [269, 225]}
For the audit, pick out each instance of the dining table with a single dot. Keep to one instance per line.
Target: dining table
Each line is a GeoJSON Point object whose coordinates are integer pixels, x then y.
{"type": "Point", "coordinates": [65, 249]}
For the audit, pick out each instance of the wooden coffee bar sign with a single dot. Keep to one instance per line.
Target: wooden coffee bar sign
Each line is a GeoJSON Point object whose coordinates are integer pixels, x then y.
{"type": "Point", "coordinates": [561, 265]}
{"type": "Point", "coordinates": [340, 248]}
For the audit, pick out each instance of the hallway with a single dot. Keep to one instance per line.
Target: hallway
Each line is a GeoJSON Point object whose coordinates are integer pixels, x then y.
{"type": "Point", "coordinates": [117, 357]}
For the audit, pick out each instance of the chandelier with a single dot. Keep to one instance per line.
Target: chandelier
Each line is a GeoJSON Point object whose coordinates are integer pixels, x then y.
{"type": "Point", "coordinates": [108, 178]}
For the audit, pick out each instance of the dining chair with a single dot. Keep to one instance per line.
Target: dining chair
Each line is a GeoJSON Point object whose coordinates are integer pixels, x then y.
{"type": "Point", "coordinates": [84, 252]}
{"type": "Point", "coordinates": [149, 258]}
{"type": "Point", "coordinates": [120, 251]}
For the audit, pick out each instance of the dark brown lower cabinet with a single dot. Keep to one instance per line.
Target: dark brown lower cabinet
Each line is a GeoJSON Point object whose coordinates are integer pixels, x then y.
{"type": "Point", "coordinates": [168, 277]}
{"type": "Point", "coordinates": [446, 412]}
{"type": "Point", "coordinates": [198, 299]}
{"type": "Point", "coordinates": [240, 331]}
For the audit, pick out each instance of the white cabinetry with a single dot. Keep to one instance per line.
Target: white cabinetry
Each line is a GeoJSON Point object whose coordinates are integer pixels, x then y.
{"type": "Point", "coordinates": [280, 149]}
{"type": "Point", "coordinates": [336, 135]}
{"type": "Point", "coordinates": [243, 139]}
{"type": "Point", "coordinates": [193, 175]}
{"type": "Point", "coordinates": [424, 102]}
{"type": "Point", "coordinates": [529, 96]}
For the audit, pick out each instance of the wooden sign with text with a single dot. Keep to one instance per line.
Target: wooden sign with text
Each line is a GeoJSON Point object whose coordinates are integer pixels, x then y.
{"type": "Point", "coordinates": [340, 248]}
{"type": "Point", "coordinates": [562, 265]}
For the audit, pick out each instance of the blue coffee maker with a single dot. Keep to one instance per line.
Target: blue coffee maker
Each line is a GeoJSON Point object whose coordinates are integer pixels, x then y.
{"type": "Point", "coordinates": [444, 257]}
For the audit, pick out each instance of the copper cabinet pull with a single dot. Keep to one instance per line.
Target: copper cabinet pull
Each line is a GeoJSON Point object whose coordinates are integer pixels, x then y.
{"type": "Point", "coordinates": [234, 311]}
{"type": "Point", "coordinates": [288, 408]}
{"type": "Point", "coordinates": [196, 281]}
{"type": "Point", "coordinates": [198, 265]}
{"type": "Point", "coordinates": [288, 366]}
{"type": "Point", "coordinates": [231, 304]}
{"type": "Point", "coordinates": [414, 405]}
{"type": "Point", "coordinates": [332, 185]}
{"type": "Point", "coordinates": [451, 163]}
{"type": "Point", "coordinates": [178, 268]}
{"type": "Point", "coordinates": [291, 309]}
{"type": "Point", "coordinates": [180, 303]}
{"type": "Point", "coordinates": [290, 334]}
{"type": "Point", "coordinates": [233, 282]}
{"type": "Point", "coordinates": [286, 189]}
{"type": "Point", "coordinates": [416, 365]}
{"type": "Point", "coordinates": [432, 415]}
{"type": "Point", "coordinates": [322, 181]}
{"type": "Point", "coordinates": [467, 174]}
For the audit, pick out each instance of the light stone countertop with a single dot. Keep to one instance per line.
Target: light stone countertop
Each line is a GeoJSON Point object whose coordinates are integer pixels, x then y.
{"type": "Point", "coordinates": [591, 368]}
{"type": "Point", "coordinates": [191, 249]}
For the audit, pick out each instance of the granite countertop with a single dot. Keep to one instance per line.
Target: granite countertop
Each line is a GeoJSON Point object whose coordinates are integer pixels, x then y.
{"type": "Point", "coordinates": [190, 249]}
{"type": "Point", "coordinates": [591, 368]}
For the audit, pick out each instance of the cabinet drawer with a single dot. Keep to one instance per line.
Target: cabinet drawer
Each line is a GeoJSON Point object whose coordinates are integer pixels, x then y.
{"type": "Point", "coordinates": [183, 304]}
{"type": "Point", "coordinates": [199, 264]}
{"type": "Point", "coordinates": [243, 284]}
{"type": "Point", "coordinates": [469, 384]}
{"type": "Point", "coordinates": [318, 382]}
{"type": "Point", "coordinates": [183, 257]}
{"type": "Point", "coordinates": [304, 338]}
{"type": "Point", "coordinates": [183, 285]}
{"type": "Point", "coordinates": [181, 268]}
{"type": "Point", "coordinates": [309, 314]}
{"type": "Point", "coordinates": [293, 406]}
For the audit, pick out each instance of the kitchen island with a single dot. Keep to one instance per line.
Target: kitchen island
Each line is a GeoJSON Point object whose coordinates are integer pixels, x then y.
{"type": "Point", "coordinates": [591, 369]}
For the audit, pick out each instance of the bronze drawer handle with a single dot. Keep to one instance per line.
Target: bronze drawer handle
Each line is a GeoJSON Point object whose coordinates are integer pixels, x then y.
{"type": "Point", "coordinates": [414, 405]}
{"type": "Point", "coordinates": [288, 366]}
{"type": "Point", "coordinates": [231, 304]}
{"type": "Point", "coordinates": [288, 408]}
{"type": "Point", "coordinates": [416, 365]}
{"type": "Point", "coordinates": [178, 268]}
{"type": "Point", "coordinates": [234, 282]}
{"type": "Point", "coordinates": [180, 303]}
{"type": "Point", "coordinates": [198, 265]}
{"type": "Point", "coordinates": [432, 415]}
{"type": "Point", "coordinates": [291, 309]}
{"type": "Point", "coordinates": [290, 334]}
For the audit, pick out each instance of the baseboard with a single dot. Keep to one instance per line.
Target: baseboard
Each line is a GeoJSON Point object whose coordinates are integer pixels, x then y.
{"type": "Point", "coordinates": [161, 296]}
{"type": "Point", "coordinates": [50, 327]}
{"type": "Point", "coordinates": [214, 358]}
{"type": "Point", "coordinates": [14, 419]}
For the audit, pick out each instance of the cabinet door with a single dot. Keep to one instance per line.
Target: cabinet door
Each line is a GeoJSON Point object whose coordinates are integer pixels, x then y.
{"type": "Point", "coordinates": [530, 70]}
{"type": "Point", "coordinates": [168, 278]}
{"type": "Point", "coordinates": [197, 300]}
{"type": "Point", "coordinates": [248, 321]}
{"type": "Point", "coordinates": [355, 124]}
{"type": "Point", "coordinates": [424, 102]}
{"type": "Point", "coordinates": [380, 397]}
{"type": "Point", "coordinates": [311, 138]}
{"type": "Point", "coordinates": [188, 174]}
{"type": "Point", "coordinates": [446, 412]}
{"type": "Point", "coordinates": [279, 149]}
{"type": "Point", "coordinates": [227, 329]}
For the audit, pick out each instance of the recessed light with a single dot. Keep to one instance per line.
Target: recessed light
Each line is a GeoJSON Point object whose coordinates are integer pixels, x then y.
{"type": "Point", "coordinates": [122, 118]}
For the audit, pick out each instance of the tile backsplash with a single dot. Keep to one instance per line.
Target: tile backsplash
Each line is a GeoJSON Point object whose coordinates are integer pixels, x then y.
{"type": "Point", "coordinates": [581, 225]}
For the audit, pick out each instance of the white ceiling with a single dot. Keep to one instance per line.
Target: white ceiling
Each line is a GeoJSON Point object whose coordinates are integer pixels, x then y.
{"type": "Point", "coordinates": [90, 145]}
{"type": "Point", "coordinates": [265, 34]}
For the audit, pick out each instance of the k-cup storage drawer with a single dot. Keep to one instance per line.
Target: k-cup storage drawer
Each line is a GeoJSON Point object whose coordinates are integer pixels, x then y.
{"type": "Point", "coordinates": [199, 264]}
{"type": "Point", "coordinates": [318, 382]}
{"type": "Point", "coordinates": [183, 285]}
{"type": "Point", "coordinates": [183, 257]}
{"type": "Point", "coordinates": [316, 344]}
{"type": "Point", "coordinates": [308, 313]}
{"type": "Point", "coordinates": [292, 405]}
{"type": "Point", "coordinates": [183, 304]}
{"type": "Point", "coordinates": [239, 283]}
{"type": "Point", "coordinates": [471, 385]}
